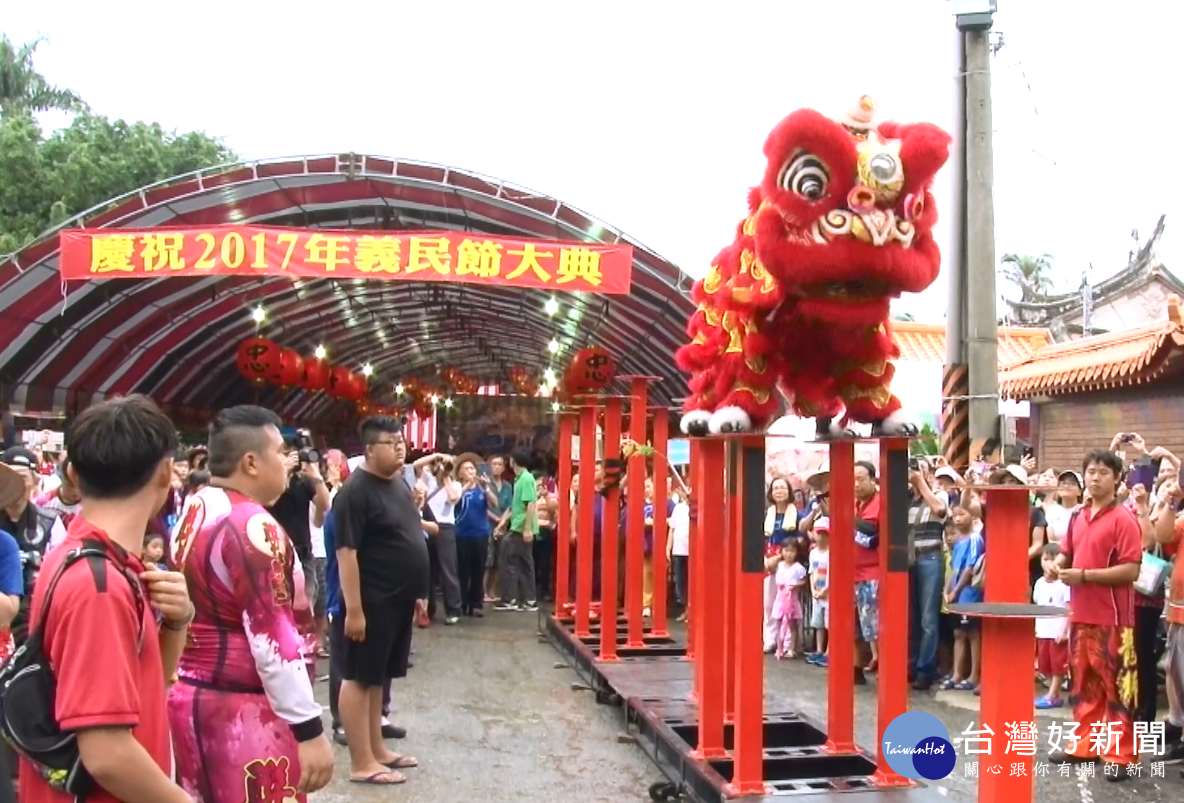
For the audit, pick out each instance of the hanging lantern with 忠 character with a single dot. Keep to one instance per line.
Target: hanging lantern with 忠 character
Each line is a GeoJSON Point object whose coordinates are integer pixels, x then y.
{"type": "Point", "coordinates": [340, 382]}
{"type": "Point", "coordinates": [590, 371]}
{"type": "Point", "coordinates": [290, 370]}
{"type": "Point", "coordinates": [258, 359]}
{"type": "Point", "coordinates": [316, 374]}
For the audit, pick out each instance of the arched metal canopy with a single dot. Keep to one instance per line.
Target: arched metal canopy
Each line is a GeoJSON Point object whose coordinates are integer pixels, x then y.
{"type": "Point", "coordinates": [62, 345]}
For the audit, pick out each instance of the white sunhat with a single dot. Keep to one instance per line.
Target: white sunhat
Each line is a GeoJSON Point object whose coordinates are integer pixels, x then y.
{"type": "Point", "coordinates": [1018, 472]}
{"type": "Point", "coordinates": [948, 473]}
{"type": "Point", "coordinates": [817, 479]}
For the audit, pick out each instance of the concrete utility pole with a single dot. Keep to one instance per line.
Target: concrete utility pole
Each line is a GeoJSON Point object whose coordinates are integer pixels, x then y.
{"type": "Point", "coordinates": [974, 19]}
{"type": "Point", "coordinates": [955, 386]}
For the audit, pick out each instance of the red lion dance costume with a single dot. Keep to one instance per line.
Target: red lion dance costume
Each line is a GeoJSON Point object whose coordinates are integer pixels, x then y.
{"type": "Point", "coordinates": [841, 223]}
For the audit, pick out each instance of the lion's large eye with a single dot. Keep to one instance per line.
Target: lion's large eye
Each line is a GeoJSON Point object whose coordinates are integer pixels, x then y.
{"type": "Point", "coordinates": [806, 176]}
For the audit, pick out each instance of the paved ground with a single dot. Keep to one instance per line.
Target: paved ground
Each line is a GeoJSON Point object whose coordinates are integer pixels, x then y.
{"type": "Point", "coordinates": [490, 717]}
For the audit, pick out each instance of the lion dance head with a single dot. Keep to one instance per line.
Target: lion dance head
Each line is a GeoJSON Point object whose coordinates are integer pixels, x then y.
{"type": "Point", "coordinates": [846, 215]}
{"type": "Point", "coordinates": [840, 224]}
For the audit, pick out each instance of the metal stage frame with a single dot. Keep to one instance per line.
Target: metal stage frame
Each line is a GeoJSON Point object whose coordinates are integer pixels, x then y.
{"type": "Point", "coordinates": [698, 708]}
{"type": "Point", "coordinates": [653, 687]}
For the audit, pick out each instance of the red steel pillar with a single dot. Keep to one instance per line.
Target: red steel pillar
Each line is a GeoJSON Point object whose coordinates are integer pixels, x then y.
{"type": "Point", "coordinates": [693, 560]}
{"type": "Point", "coordinates": [1007, 643]}
{"type": "Point", "coordinates": [635, 517]}
{"type": "Point", "coordinates": [563, 537]}
{"type": "Point", "coordinates": [585, 512]}
{"type": "Point", "coordinates": [746, 487]}
{"type": "Point", "coordinates": [892, 696]}
{"type": "Point", "coordinates": [709, 615]}
{"type": "Point", "coordinates": [732, 535]}
{"type": "Point", "coordinates": [840, 690]}
{"type": "Point", "coordinates": [659, 562]}
{"type": "Point", "coordinates": [608, 537]}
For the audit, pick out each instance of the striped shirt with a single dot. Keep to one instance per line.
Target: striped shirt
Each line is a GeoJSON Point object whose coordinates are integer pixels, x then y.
{"type": "Point", "coordinates": [927, 529]}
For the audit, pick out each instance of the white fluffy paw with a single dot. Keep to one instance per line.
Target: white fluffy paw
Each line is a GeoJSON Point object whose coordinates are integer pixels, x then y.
{"type": "Point", "coordinates": [900, 423]}
{"type": "Point", "coordinates": [695, 423]}
{"type": "Point", "coordinates": [729, 419]}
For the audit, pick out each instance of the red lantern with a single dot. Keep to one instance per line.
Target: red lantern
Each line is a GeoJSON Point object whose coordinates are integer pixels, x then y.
{"type": "Point", "coordinates": [590, 371]}
{"type": "Point", "coordinates": [316, 375]}
{"type": "Point", "coordinates": [358, 387]}
{"type": "Point", "coordinates": [290, 371]}
{"type": "Point", "coordinates": [340, 382]}
{"type": "Point", "coordinates": [258, 359]}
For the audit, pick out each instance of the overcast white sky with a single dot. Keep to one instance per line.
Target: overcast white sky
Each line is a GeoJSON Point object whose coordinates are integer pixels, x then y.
{"type": "Point", "coordinates": [651, 114]}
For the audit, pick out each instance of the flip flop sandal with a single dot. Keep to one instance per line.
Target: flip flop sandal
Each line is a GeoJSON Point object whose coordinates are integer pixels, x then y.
{"type": "Point", "coordinates": [373, 780]}
{"type": "Point", "coordinates": [949, 684]}
{"type": "Point", "coordinates": [966, 685]}
{"type": "Point", "coordinates": [403, 763]}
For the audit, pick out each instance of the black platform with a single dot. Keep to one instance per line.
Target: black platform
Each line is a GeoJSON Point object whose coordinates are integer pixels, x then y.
{"type": "Point", "coordinates": [652, 686]}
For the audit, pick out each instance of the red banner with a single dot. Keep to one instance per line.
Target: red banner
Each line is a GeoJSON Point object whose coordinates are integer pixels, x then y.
{"type": "Point", "coordinates": [426, 256]}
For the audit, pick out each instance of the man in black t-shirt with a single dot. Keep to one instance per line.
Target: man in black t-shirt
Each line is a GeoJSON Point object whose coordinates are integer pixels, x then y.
{"type": "Point", "coordinates": [305, 495]}
{"type": "Point", "coordinates": [382, 563]}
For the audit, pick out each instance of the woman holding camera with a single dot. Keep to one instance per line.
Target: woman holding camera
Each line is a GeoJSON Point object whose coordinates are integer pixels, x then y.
{"type": "Point", "coordinates": [473, 527]}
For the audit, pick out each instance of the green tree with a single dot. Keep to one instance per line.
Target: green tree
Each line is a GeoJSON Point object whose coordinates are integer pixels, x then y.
{"type": "Point", "coordinates": [927, 442]}
{"type": "Point", "coordinates": [23, 89]}
{"type": "Point", "coordinates": [43, 181]}
{"type": "Point", "coordinates": [1031, 274]}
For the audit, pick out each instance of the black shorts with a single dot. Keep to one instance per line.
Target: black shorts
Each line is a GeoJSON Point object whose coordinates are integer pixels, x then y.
{"type": "Point", "coordinates": [946, 627]}
{"type": "Point", "coordinates": [967, 623]}
{"type": "Point", "coordinates": [383, 653]}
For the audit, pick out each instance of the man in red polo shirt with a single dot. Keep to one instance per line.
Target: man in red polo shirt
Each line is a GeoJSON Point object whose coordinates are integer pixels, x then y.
{"type": "Point", "coordinates": [1100, 557]}
{"type": "Point", "coordinates": [867, 562]}
{"type": "Point", "coordinates": [100, 635]}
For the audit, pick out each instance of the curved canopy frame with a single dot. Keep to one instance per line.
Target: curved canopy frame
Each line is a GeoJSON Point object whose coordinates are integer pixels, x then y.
{"type": "Point", "coordinates": [64, 344]}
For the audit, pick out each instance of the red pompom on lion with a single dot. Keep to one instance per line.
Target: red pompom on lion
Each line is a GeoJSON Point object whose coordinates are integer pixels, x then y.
{"type": "Point", "coordinates": [841, 223]}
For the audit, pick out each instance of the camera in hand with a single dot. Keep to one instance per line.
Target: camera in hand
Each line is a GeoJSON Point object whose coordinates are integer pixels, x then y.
{"type": "Point", "coordinates": [309, 456]}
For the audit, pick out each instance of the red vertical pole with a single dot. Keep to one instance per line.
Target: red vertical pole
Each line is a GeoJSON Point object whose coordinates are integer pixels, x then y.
{"type": "Point", "coordinates": [710, 613]}
{"type": "Point", "coordinates": [892, 698]}
{"type": "Point", "coordinates": [584, 532]}
{"type": "Point", "coordinates": [840, 682]}
{"type": "Point", "coordinates": [1007, 644]}
{"type": "Point", "coordinates": [732, 535]}
{"type": "Point", "coordinates": [608, 537]}
{"type": "Point", "coordinates": [635, 517]}
{"type": "Point", "coordinates": [746, 489]}
{"type": "Point", "coordinates": [661, 528]}
{"type": "Point", "coordinates": [693, 559]}
{"type": "Point", "coordinates": [563, 539]}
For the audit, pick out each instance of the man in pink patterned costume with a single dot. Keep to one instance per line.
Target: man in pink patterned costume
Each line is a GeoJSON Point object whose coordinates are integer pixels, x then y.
{"type": "Point", "coordinates": [246, 728]}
